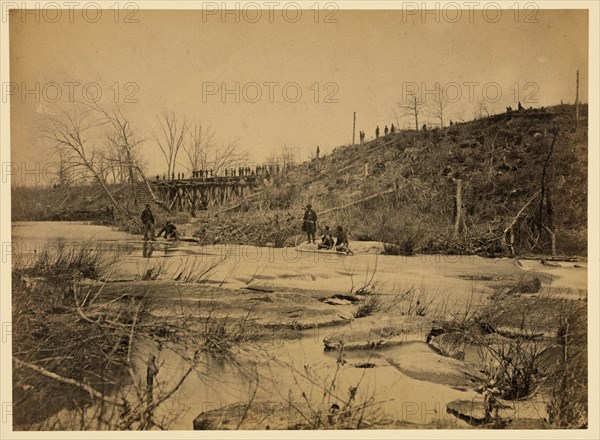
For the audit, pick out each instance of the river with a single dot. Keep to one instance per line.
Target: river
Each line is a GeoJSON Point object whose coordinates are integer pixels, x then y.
{"type": "Point", "coordinates": [280, 370]}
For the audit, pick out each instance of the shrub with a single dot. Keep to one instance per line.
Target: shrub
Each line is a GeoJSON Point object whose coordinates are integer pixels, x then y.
{"type": "Point", "coordinates": [281, 196]}
{"type": "Point", "coordinates": [369, 305]}
{"type": "Point", "coordinates": [406, 246]}
{"type": "Point", "coordinates": [399, 235]}
{"type": "Point", "coordinates": [59, 328]}
{"type": "Point", "coordinates": [66, 261]}
{"type": "Point", "coordinates": [568, 406]}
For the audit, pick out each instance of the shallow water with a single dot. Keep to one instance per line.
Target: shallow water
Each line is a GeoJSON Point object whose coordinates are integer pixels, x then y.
{"type": "Point", "coordinates": [281, 371]}
{"type": "Point", "coordinates": [448, 279]}
{"type": "Point", "coordinates": [285, 369]}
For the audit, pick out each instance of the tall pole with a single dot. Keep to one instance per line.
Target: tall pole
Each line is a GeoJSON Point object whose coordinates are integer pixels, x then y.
{"type": "Point", "coordinates": [353, 127]}
{"type": "Point", "coordinates": [416, 115]}
{"type": "Point", "coordinates": [577, 102]}
{"type": "Point", "coordinates": [458, 208]}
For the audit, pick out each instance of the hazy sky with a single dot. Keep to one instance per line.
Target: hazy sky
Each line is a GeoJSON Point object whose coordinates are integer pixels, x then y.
{"type": "Point", "coordinates": [363, 63]}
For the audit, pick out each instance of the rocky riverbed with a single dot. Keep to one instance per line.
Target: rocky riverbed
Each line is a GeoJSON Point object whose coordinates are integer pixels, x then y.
{"type": "Point", "coordinates": [305, 340]}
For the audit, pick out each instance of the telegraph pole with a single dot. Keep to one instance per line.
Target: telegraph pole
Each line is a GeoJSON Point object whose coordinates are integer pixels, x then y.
{"type": "Point", "coordinates": [577, 102]}
{"type": "Point", "coordinates": [353, 128]}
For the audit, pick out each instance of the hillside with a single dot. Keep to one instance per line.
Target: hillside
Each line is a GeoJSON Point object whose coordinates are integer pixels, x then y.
{"type": "Point", "coordinates": [499, 161]}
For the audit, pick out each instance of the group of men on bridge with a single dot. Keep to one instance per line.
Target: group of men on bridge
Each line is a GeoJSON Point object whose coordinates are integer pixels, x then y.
{"type": "Point", "coordinates": [259, 170]}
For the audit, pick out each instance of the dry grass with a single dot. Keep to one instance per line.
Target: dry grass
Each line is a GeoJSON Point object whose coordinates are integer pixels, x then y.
{"type": "Point", "coordinates": [369, 305]}
{"type": "Point", "coordinates": [76, 350]}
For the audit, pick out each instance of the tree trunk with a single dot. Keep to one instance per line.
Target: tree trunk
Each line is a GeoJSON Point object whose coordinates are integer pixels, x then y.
{"type": "Point", "coordinates": [577, 102]}
{"type": "Point", "coordinates": [545, 202]}
{"type": "Point", "coordinates": [150, 373]}
{"type": "Point", "coordinates": [552, 235]}
{"type": "Point", "coordinates": [458, 208]}
{"type": "Point", "coordinates": [132, 180]}
{"type": "Point", "coordinates": [509, 228]}
{"type": "Point", "coordinates": [389, 191]}
{"type": "Point", "coordinates": [104, 187]}
{"type": "Point", "coordinates": [416, 116]}
{"type": "Point", "coordinates": [110, 196]}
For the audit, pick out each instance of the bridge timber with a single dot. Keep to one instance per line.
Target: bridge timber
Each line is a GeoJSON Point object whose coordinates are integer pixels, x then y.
{"type": "Point", "coordinates": [197, 194]}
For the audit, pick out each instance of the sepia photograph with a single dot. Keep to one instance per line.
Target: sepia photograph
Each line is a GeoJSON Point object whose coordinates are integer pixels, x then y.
{"type": "Point", "coordinates": [299, 217]}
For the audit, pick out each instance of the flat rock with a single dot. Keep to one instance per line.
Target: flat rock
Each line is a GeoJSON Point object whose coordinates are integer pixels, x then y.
{"type": "Point", "coordinates": [427, 365]}
{"type": "Point", "coordinates": [263, 415]}
{"type": "Point", "coordinates": [506, 315]}
{"type": "Point", "coordinates": [244, 415]}
{"type": "Point", "coordinates": [336, 301]}
{"type": "Point", "coordinates": [529, 424]}
{"type": "Point", "coordinates": [471, 411]}
{"type": "Point", "coordinates": [526, 284]}
{"type": "Point", "coordinates": [451, 344]}
{"type": "Point", "coordinates": [340, 300]}
{"type": "Point", "coordinates": [378, 331]}
{"type": "Point", "coordinates": [294, 309]}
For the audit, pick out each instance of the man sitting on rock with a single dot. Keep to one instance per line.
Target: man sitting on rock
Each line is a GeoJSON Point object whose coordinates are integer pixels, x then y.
{"type": "Point", "coordinates": [326, 239]}
{"type": "Point", "coordinates": [342, 244]}
{"type": "Point", "coordinates": [170, 231]}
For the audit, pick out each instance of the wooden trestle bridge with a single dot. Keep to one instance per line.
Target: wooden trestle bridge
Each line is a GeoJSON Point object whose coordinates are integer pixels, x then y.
{"type": "Point", "coordinates": [196, 194]}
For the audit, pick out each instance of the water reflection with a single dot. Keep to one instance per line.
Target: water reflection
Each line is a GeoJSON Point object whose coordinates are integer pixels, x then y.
{"type": "Point", "coordinates": [147, 249]}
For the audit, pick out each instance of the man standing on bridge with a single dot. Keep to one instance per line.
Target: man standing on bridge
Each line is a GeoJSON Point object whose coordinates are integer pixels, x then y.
{"type": "Point", "coordinates": [148, 221]}
{"type": "Point", "coordinates": [309, 225]}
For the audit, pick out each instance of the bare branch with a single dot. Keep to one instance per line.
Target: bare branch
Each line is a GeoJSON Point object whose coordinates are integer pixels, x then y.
{"type": "Point", "coordinates": [83, 386]}
{"type": "Point", "coordinates": [413, 107]}
{"type": "Point", "coordinates": [171, 138]}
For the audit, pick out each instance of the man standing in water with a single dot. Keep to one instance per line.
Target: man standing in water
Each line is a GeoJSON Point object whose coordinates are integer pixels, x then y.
{"type": "Point", "coordinates": [148, 221]}
{"type": "Point", "coordinates": [309, 225]}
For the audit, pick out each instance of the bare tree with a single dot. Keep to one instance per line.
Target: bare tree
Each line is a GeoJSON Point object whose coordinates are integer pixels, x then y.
{"type": "Point", "coordinates": [227, 155]}
{"type": "Point", "coordinates": [284, 157]}
{"type": "Point", "coordinates": [459, 116]}
{"type": "Point", "coordinates": [483, 109]}
{"type": "Point", "coordinates": [123, 140]}
{"type": "Point", "coordinates": [544, 215]}
{"type": "Point", "coordinates": [103, 166]}
{"type": "Point", "coordinates": [412, 107]}
{"type": "Point", "coordinates": [440, 107]}
{"type": "Point", "coordinates": [114, 156]}
{"type": "Point", "coordinates": [171, 138]}
{"type": "Point", "coordinates": [64, 176]}
{"type": "Point", "coordinates": [397, 118]}
{"type": "Point", "coordinates": [122, 144]}
{"type": "Point", "coordinates": [71, 131]}
{"type": "Point", "coordinates": [200, 142]}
